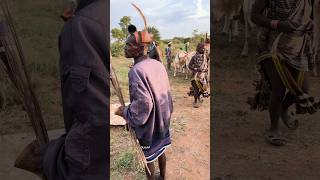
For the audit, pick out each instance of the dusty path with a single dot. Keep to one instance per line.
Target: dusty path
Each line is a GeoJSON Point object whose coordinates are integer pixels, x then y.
{"type": "Point", "coordinates": [189, 155]}
{"type": "Point", "coordinates": [240, 149]}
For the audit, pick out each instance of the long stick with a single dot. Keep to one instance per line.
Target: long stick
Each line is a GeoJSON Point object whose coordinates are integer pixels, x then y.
{"type": "Point", "coordinates": [18, 73]}
{"type": "Point", "coordinates": [116, 86]}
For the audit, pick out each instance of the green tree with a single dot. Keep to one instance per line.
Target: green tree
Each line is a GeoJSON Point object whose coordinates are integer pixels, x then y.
{"type": "Point", "coordinates": [118, 34]}
{"type": "Point", "coordinates": [197, 37]}
{"type": "Point", "coordinates": [117, 49]}
{"type": "Point", "coordinates": [125, 21]}
{"type": "Point", "coordinates": [195, 32]}
{"type": "Point", "coordinates": [156, 34]}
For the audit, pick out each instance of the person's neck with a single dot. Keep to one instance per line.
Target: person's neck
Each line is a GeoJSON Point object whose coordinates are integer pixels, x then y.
{"type": "Point", "coordinates": [139, 59]}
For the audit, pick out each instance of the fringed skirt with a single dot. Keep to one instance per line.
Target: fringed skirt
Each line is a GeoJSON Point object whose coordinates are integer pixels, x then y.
{"type": "Point", "coordinates": [305, 102]}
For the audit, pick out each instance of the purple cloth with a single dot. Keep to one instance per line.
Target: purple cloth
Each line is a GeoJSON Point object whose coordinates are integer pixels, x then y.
{"type": "Point", "coordinates": [168, 52]}
{"type": "Point", "coordinates": [151, 102]}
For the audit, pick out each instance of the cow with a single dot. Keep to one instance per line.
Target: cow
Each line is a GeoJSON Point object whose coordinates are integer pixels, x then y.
{"type": "Point", "coordinates": [181, 62]}
{"type": "Point", "coordinates": [231, 9]}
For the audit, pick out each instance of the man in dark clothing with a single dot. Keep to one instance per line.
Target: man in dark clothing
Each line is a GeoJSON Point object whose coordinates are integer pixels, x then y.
{"type": "Point", "coordinates": [169, 55]}
{"type": "Point", "coordinates": [82, 152]}
{"type": "Point", "coordinates": [285, 46]}
{"type": "Point", "coordinates": [151, 105]}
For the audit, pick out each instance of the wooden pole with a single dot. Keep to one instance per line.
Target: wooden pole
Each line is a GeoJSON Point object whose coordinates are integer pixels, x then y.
{"type": "Point", "coordinates": [135, 141]}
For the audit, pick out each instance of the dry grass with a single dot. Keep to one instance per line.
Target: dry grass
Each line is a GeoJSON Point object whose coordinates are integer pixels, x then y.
{"type": "Point", "coordinates": [38, 26]}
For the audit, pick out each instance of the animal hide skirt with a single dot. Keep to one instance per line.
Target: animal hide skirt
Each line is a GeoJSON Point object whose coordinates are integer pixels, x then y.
{"type": "Point", "coordinates": [304, 102]}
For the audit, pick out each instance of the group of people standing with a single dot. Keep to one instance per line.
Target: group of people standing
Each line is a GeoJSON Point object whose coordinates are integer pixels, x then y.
{"type": "Point", "coordinates": [151, 101]}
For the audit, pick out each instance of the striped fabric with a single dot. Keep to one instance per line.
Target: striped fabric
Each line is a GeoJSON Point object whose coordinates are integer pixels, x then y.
{"type": "Point", "coordinates": [157, 148]}
{"type": "Point", "coordinates": [296, 48]}
{"type": "Point", "coordinates": [281, 9]}
{"type": "Point", "coordinates": [154, 156]}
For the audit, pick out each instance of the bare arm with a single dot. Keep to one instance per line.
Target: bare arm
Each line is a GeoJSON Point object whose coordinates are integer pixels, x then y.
{"type": "Point", "coordinates": [258, 17]}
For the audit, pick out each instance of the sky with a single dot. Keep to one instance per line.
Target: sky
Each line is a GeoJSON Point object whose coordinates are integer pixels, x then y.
{"type": "Point", "coordinates": [173, 18]}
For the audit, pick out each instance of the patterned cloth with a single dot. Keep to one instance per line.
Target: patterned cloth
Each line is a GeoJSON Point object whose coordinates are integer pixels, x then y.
{"type": "Point", "coordinates": [297, 48]}
{"type": "Point", "coordinates": [199, 67]}
{"type": "Point", "coordinates": [281, 10]}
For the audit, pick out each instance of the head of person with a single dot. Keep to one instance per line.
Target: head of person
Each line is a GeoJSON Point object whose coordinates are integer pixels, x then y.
{"type": "Point", "coordinates": [132, 29]}
{"type": "Point", "coordinates": [201, 48]}
{"type": "Point", "coordinates": [137, 44]}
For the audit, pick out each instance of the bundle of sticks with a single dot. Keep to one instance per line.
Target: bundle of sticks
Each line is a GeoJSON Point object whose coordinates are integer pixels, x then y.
{"type": "Point", "coordinates": [13, 63]}
{"type": "Point", "coordinates": [135, 142]}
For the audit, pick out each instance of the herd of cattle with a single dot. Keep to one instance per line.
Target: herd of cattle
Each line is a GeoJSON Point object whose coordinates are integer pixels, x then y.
{"type": "Point", "coordinates": [231, 10]}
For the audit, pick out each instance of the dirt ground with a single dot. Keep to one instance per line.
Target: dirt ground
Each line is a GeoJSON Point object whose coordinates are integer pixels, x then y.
{"type": "Point", "coordinates": [240, 151]}
{"type": "Point", "coordinates": [189, 155]}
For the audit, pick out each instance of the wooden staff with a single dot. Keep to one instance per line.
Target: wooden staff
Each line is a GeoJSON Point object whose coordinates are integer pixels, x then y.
{"type": "Point", "coordinates": [136, 144]}
{"type": "Point", "coordinates": [14, 64]}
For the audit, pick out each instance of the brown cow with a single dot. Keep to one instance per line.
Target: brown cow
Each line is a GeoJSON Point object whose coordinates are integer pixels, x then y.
{"type": "Point", "coordinates": [181, 62]}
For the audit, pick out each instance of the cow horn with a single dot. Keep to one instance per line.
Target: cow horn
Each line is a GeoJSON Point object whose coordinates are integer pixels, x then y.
{"type": "Point", "coordinates": [142, 15]}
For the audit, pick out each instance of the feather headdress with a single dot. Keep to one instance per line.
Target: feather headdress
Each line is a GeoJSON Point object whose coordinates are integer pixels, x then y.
{"type": "Point", "coordinates": [142, 36]}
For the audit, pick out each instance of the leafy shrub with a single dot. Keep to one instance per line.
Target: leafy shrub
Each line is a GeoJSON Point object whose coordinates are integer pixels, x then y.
{"type": "Point", "coordinates": [117, 49]}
